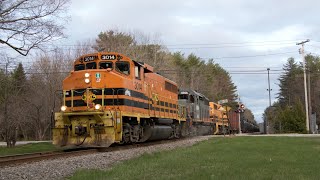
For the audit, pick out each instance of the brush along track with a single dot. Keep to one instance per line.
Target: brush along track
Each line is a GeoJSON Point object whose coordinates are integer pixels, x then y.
{"type": "Point", "coordinates": [32, 157]}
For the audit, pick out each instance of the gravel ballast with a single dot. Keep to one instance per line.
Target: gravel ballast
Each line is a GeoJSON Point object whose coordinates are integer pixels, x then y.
{"type": "Point", "coordinates": [64, 167]}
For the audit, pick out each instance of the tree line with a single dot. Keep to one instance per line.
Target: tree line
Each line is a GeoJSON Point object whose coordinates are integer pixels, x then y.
{"type": "Point", "coordinates": [288, 113]}
{"type": "Point", "coordinates": [30, 94]}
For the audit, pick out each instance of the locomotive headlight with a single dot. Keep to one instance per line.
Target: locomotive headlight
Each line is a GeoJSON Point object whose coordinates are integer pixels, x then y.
{"type": "Point", "coordinates": [87, 80]}
{"type": "Point", "coordinates": [97, 106]}
{"type": "Point", "coordinates": [63, 108]}
{"type": "Point", "coordinates": [86, 75]}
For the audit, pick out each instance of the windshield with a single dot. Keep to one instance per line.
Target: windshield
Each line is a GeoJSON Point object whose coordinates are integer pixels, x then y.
{"type": "Point", "coordinates": [105, 65]}
{"type": "Point", "coordinates": [183, 96]}
{"type": "Point", "coordinates": [92, 65]}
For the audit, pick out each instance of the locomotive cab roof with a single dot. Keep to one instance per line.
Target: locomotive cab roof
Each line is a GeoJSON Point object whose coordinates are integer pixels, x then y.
{"type": "Point", "coordinates": [109, 56]}
{"type": "Point", "coordinates": [147, 67]}
{"type": "Point", "coordinates": [190, 91]}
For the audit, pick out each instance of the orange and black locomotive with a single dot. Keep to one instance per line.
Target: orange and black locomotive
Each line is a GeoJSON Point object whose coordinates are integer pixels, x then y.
{"type": "Point", "coordinates": [109, 98]}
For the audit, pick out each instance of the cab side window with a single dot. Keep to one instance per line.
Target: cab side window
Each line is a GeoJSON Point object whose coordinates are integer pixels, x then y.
{"type": "Point", "coordinates": [123, 67]}
{"type": "Point", "coordinates": [79, 67]}
{"type": "Point", "coordinates": [191, 99]}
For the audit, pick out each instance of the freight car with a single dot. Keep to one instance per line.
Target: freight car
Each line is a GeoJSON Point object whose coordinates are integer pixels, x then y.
{"type": "Point", "coordinates": [249, 127]}
{"type": "Point", "coordinates": [228, 121]}
{"type": "Point", "coordinates": [234, 122]}
{"type": "Point", "coordinates": [109, 98]}
{"type": "Point", "coordinates": [246, 126]}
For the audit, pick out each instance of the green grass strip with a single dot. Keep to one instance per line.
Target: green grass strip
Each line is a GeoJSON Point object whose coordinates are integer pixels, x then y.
{"type": "Point", "coordinates": [223, 158]}
{"type": "Point", "coordinates": [28, 148]}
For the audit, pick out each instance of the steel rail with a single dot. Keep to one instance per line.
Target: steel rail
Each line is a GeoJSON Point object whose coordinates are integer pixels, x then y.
{"type": "Point", "coordinates": [32, 157]}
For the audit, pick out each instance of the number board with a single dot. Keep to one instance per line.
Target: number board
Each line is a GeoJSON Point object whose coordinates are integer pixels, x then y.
{"type": "Point", "coordinates": [108, 57]}
{"type": "Point", "coordinates": [88, 58]}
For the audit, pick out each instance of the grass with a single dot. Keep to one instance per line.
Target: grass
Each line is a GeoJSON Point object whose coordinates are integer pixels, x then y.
{"type": "Point", "coordinates": [28, 148]}
{"type": "Point", "coordinates": [223, 158]}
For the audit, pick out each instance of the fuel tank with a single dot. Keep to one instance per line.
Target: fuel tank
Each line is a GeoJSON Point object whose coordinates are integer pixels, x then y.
{"type": "Point", "coordinates": [157, 132]}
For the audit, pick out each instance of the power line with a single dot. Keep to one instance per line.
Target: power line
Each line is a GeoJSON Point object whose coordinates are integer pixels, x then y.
{"type": "Point", "coordinates": [172, 70]}
{"type": "Point", "coordinates": [234, 43]}
{"type": "Point", "coordinates": [178, 72]}
{"type": "Point", "coordinates": [312, 45]}
{"type": "Point", "coordinates": [264, 67]}
{"type": "Point", "coordinates": [250, 56]}
{"type": "Point", "coordinates": [174, 46]}
{"type": "Point", "coordinates": [202, 44]}
{"type": "Point", "coordinates": [229, 57]}
{"type": "Point", "coordinates": [228, 46]}
{"type": "Point", "coordinates": [66, 72]}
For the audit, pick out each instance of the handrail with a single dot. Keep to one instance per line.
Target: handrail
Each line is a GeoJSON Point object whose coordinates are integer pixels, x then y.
{"type": "Point", "coordinates": [71, 98]}
{"type": "Point", "coordinates": [87, 97]}
{"type": "Point", "coordinates": [64, 97]}
{"type": "Point", "coordinates": [113, 97]}
{"type": "Point", "coordinates": [102, 99]}
{"type": "Point", "coordinates": [118, 97]}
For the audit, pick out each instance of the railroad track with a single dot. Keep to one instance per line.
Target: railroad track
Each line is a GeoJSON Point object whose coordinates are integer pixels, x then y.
{"type": "Point", "coordinates": [12, 160]}
{"type": "Point", "coordinates": [32, 157]}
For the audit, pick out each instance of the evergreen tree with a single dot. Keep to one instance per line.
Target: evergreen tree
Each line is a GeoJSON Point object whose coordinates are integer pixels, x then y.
{"type": "Point", "coordinates": [135, 46]}
{"type": "Point", "coordinates": [113, 40]}
{"type": "Point", "coordinates": [2, 84]}
{"type": "Point", "coordinates": [313, 69]}
{"type": "Point", "coordinates": [289, 113]}
{"type": "Point", "coordinates": [19, 78]}
{"type": "Point", "coordinates": [291, 84]}
{"type": "Point", "coordinates": [292, 118]}
{"type": "Point", "coordinates": [208, 78]}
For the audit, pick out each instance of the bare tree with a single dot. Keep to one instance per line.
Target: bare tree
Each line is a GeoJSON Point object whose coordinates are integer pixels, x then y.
{"type": "Point", "coordinates": [83, 47]}
{"type": "Point", "coordinates": [9, 101]}
{"type": "Point", "coordinates": [28, 24]}
{"type": "Point", "coordinates": [46, 76]}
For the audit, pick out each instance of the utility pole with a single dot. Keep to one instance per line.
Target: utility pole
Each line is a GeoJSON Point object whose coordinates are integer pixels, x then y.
{"type": "Point", "coordinates": [239, 103]}
{"type": "Point", "coordinates": [266, 123]}
{"type": "Point", "coordinates": [301, 51]}
{"type": "Point", "coordinates": [309, 99]}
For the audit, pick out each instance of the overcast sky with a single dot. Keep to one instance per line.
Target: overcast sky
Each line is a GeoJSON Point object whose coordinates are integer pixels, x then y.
{"type": "Point", "coordinates": [218, 29]}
